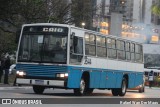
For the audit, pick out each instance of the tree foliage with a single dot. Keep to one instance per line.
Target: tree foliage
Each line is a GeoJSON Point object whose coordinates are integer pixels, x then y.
{"type": "Point", "coordinates": [14, 13]}
{"type": "Point", "coordinates": [82, 12]}
{"type": "Point", "coordinates": [155, 9]}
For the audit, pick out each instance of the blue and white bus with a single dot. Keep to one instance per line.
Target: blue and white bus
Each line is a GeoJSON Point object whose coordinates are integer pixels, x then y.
{"type": "Point", "coordinates": [62, 56]}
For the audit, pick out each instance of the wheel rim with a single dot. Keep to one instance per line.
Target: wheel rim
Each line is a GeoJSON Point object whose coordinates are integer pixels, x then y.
{"type": "Point", "coordinates": [82, 86]}
{"type": "Point", "coordinates": [124, 87]}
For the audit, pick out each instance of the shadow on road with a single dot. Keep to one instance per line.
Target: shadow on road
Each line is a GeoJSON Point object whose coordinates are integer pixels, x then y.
{"type": "Point", "coordinates": [71, 94]}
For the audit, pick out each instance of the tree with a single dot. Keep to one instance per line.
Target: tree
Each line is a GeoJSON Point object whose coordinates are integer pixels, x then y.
{"type": "Point", "coordinates": [8, 11]}
{"type": "Point", "coordinates": [32, 11]}
{"type": "Point", "coordinates": [14, 13]}
{"type": "Point", "coordinates": [81, 11]}
{"type": "Point", "coordinates": [155, 8]}
{"type": "Point", "coordinates": [59, 11]}
{"type": "Point", "coordinates": [6, 42]}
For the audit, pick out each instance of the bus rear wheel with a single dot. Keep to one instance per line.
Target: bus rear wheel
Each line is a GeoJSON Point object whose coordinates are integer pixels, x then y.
{"type": "Point", "coordinates": [120, 91]}
{"type": "Point", "coordinates": [83, 90]}
{"type": "Point", "coordinates": [115, 92]}
{"type": "Point", "coordinates": [141, 89]}
{"type": "Point", "coordinates": [38, 89]}
{"type": "Point", "coordinates": [123, 89]}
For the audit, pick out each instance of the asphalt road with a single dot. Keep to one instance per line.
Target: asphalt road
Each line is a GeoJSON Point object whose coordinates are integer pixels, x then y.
{"type": "Point", "coordinates": [27, 92]}
{"type": "Point", "coordinates": [59, 97]}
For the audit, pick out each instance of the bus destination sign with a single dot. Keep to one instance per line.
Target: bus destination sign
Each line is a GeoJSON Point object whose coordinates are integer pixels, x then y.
{"type": "Point", "coordinates": [53, 29]}
{"type": "Point", "coordinates": [47, 29]}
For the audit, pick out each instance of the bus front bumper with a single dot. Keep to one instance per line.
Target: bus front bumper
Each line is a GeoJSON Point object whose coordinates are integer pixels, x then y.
{"type": "Point", "coordinates": [54, 83]}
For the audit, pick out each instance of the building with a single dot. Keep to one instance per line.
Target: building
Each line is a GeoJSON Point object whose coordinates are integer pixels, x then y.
{"type": "Point", "coordinates": [138, 24]}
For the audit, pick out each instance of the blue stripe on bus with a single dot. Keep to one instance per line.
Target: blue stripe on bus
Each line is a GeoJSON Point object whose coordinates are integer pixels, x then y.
{"type": "Point", "coordinates": [41, 70]}
{"type": "Point", "coordinates": [99, 78]}
{"type": "Point", "coordinates": [103, 78]}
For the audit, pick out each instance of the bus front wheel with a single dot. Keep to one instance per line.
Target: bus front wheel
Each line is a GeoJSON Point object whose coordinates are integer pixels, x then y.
{"type": "Point", "coordinates": [38, 89]}
{"type": "Point", "coordinates": [83, 90]}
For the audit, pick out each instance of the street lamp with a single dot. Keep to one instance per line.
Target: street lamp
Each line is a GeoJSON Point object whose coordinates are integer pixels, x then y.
{"type": "Point", "coordinates": [83, 24]}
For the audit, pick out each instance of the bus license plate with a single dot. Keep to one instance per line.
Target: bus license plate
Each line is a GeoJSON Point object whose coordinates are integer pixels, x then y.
{"type": "Point", "coordinates": [39, 82]}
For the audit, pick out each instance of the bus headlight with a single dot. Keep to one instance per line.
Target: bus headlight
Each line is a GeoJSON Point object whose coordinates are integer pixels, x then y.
{"type": "Point", "coordinates": [62, 75]}
{"type": "Point", "coordinates": [21, 73]}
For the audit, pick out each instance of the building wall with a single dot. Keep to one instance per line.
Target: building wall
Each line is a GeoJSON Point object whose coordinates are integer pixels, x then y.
{"type": "Point", "coordinates": [136, 10]}
{"type": "Point", "coordinates": [116, 24]}
{"type": "Point", "coordinates": [151, 55]}
{"type": "Point", "coordinates": [147, 11]}
{"type": "Point", "coordinates": [138, 16]}
{"type": "Point", "coordinates": [129, 9]}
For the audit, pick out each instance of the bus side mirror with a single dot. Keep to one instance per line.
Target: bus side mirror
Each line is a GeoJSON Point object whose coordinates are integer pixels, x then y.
{"type": "Point", "coordinates": [18, 32]}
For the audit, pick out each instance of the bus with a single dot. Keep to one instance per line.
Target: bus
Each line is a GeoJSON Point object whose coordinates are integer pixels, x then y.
{"type": "Point", "coordinates": [53, 55]}
{"type": "Point", "coordinates": [156, 74]}
{"type": "Point", "coordinates": [156, 71]}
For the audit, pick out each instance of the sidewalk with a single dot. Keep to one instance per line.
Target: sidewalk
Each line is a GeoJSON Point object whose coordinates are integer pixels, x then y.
{"type": "Point", "coordinates": [152, 87]}
{"type": "Point", "coordinates": [6, 85]}
{"type": "Point", "coordinates": [10, 87]}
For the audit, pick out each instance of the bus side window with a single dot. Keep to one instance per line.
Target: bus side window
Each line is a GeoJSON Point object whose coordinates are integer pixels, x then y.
{"type": "Point", "coordinates": [138, 53]}
{"type": "Point", "coordinates": [128, 54]}
{"type": "Point", "coordinates": [155, 73]}
{"type": "Point", "coordinates": [121, 49]}
{"type": "Point", "coordinates": [101, 46]}
{"type": "Point", "coordinates": [132, 52]}
{"type": "Point", "coordinates": [112, 52]}
{"type": "Point", "coordinates": [77, 51]}
{"type": "Point", "coordinates": [146, 73]}
{"type": "Point", "coordinates": [90, 44]}
{"type": "Point", "coordinates": [78, 45]}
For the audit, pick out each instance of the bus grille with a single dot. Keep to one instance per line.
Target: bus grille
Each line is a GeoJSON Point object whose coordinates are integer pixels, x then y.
{"type": "Point", "coordinates": [41, 70]}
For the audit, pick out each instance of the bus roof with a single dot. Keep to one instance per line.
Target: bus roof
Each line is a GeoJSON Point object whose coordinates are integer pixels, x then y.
{"type": "Point", "coordinates": [156, 67]}
{"type": "Point", "coordinates": [47, 24]}
{"type": "Point", "coordinates": [148, 70]}
{"type": "Point", "coordinates": [72, 26]}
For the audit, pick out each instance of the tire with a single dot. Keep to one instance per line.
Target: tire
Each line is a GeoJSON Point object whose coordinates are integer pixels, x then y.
{"type": "Point", "coordinates": [83, 90]}
{"type": "Point", "coordinates": [123, 89]}
{"type": "Point", "coordinates": [89, 91]}
{"type": "Point", "coordinates": [38, 89]}
{"type": "Point", "coordinates": [142, 89]}
{"type": "Point", "coordinates": [115, 92]}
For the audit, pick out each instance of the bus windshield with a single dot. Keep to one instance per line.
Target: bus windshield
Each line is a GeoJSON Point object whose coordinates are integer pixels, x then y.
{"type": "Point", "coordinates": [43, 48]}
